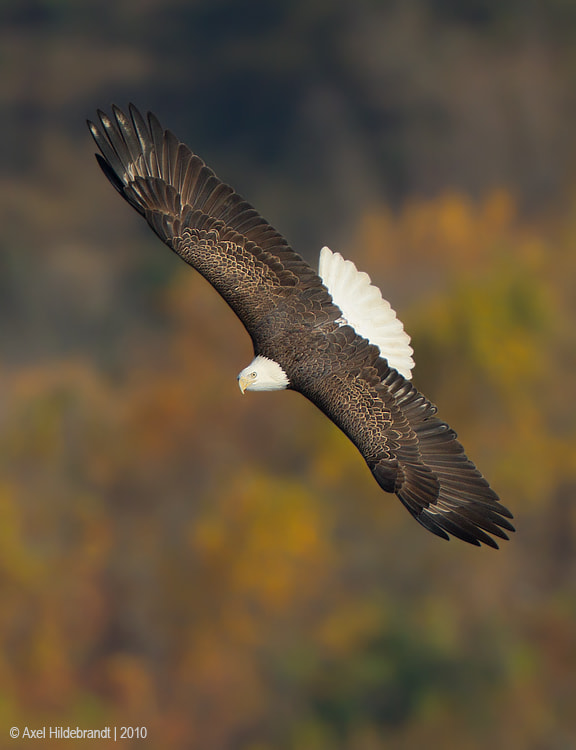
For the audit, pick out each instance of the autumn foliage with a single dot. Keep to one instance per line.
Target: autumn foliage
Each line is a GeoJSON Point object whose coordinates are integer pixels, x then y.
{"type": "Point", "coordinates": [224, 571]}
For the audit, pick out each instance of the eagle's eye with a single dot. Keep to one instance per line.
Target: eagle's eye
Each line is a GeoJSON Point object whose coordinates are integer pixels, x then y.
{"type": "Point", "coordinates": [253, 375]}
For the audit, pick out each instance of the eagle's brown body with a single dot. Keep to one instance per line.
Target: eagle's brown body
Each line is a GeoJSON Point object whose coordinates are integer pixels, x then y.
{"type": "Point", "coordinates": [292, 320]}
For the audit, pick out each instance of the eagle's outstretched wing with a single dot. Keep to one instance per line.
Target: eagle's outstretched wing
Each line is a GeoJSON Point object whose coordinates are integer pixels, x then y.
{"type": "Point", "coordinates": [408, 449]}
{"type": "Point", "coordinates": [204, 220]}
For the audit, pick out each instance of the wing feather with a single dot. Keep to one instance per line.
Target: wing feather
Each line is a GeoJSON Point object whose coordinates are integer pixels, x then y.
{"type": "Point", "coordinates": [409, 450]}
{"type": "Point", "coordinates": [202, 219]}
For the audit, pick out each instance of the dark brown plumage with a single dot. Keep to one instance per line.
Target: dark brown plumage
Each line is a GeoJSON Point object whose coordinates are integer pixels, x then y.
{"type": "Point", "coordinates": [293, 321]}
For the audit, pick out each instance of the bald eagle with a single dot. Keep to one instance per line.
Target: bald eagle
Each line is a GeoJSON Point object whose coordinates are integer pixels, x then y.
{"type": "Point", "coordinates": [328, 335]}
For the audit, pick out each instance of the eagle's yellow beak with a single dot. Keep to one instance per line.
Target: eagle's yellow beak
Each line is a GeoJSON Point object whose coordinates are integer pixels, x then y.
{"type": "Point", "coordinates": [243, 382]}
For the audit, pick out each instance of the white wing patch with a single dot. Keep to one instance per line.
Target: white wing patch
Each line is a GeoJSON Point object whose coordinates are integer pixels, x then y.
{"type": "Point", "coordinates": [365, 310]}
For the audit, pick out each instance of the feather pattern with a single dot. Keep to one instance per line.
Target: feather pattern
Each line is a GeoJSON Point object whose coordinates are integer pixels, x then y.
{"type": "Point", "coordinates": [350, 360]}
{"type": "Point", "coordinates": [365, 310]}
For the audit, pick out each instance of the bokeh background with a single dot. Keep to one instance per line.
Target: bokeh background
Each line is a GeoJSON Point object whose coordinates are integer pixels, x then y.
{"type": "Point", "coordinates": [223, 570]}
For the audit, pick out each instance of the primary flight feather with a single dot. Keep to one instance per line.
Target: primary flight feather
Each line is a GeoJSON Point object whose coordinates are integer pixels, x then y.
{"type": "Point", "coordinates": [328, 335]}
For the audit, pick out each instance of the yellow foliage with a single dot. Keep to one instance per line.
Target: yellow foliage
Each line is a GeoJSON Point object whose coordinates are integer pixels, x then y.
{"type": "Point", "coordinates": [177, 555]}
{"type": "Point", "coordinates": [128, 680]}
{"type": "Point", "coordinates": [345, 629]}
{"type": "Point", "coordinates": [449, 234]}
{"type": "Point", "coordinates": [269, 533]}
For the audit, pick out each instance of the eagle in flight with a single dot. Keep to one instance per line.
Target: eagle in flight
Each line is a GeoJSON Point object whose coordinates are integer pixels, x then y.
{"type": "Point", "coordinates": [328, 335]}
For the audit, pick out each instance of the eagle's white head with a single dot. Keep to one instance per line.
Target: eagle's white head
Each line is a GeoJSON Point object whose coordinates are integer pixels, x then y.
{"type": "Point", "coordinates": [262, 374]}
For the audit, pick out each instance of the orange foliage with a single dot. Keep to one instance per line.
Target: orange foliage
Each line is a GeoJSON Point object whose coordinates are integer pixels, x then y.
{"type": "Point", "coordinates": [224, 571]}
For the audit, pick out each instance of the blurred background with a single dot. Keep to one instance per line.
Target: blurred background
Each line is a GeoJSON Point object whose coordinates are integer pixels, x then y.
{"type": "Point", "coordinates": [223, 570]}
